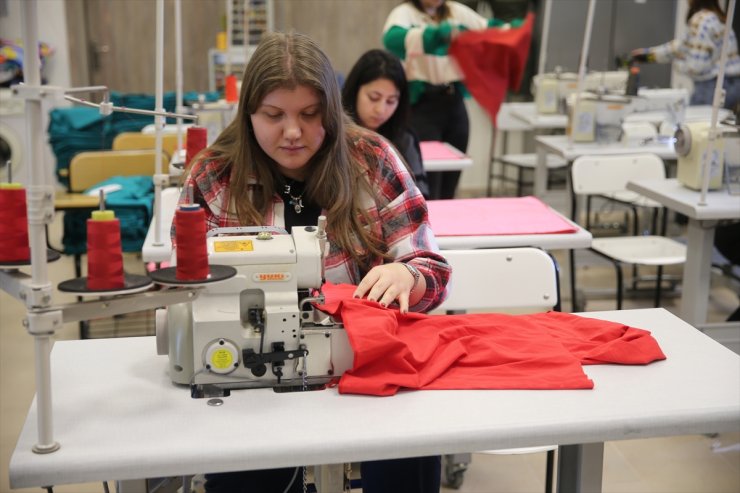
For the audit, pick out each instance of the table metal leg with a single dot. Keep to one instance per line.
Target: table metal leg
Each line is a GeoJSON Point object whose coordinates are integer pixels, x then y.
{"type": "Point", "coordinates": [179, 484]}
{"type": "Point", "coordinates": [132, 486]}
{"type": "Point", "coordinates": [580, 468]}
{"type": "Point", "coordinates": [540, 173]}
{"type": "Point", "coordinates": [329, 478]}
{"type": "Point", "coordinates": [696, 272]}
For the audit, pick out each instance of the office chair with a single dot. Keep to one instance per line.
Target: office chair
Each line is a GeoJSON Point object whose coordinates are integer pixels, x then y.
{"type": "Point", "coordinates": [604, 175]}
{"type": "Point", "coordinates": [518, 280]}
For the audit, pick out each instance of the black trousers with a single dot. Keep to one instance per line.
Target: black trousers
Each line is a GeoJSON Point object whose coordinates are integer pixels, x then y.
{"type": "Point", "coordinates": [727, 241]}
{"type": "Point", "coordinates": [415, 475]}
{"type": "Point", "coordinates": [440, 114]}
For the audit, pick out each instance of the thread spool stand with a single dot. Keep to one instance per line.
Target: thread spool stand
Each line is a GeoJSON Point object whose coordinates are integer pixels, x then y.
{"type": "Point", "coordinates": [13, 214]}
{"type": "Point", "coordinates": [132, 283]}
{"type": "Point", "coordinates": [51, 256]}
{"type": "Point", "coordinates": [168, 276]}
{"type": "Point", "coordinates": [121, 282]}
{"type": "Point", "coordinates": [193, 268]}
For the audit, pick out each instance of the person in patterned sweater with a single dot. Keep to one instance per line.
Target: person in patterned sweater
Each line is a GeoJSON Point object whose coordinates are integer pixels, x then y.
{"type": "Point", "coordinates": [292, 154]}
{"type": "Point", "coordinates": [697, 53]}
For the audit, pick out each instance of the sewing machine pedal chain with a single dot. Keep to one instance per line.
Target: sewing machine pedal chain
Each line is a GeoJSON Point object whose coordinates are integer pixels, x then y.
{"type": "Point", "coordinates": [347, 477]}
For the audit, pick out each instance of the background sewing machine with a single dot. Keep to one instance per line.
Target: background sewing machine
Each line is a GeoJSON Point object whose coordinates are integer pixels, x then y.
{"type": "Point", "coordinates": [692, 143]}
{"type": "Point", "coordinates": [260, 327]}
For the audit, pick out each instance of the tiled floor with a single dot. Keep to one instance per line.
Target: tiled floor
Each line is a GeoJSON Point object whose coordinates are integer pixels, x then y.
{"type": "Point", "coordinates": [690, 464]}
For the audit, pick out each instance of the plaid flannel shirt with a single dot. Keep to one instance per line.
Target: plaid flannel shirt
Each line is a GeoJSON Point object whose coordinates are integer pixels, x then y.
{"type": "Point", "coordinates": [398, 215]}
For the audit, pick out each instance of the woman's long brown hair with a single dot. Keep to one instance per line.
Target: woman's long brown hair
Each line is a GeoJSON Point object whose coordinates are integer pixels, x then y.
{"type": "Point", "coordinates": [335, 174]}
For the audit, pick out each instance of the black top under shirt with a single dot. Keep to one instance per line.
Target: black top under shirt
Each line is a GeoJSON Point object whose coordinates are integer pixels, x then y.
{"type": "Point", "coordinates": [310, 212]}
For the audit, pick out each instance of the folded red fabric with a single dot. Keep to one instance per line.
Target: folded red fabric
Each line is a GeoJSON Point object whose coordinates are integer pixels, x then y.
{"type": "Point", "coordinates": [393, 351]}
{"type": "Point", "coordinates": [492, 61]}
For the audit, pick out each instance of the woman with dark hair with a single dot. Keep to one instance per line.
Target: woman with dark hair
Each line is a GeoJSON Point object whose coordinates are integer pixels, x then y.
{"type": "Point", "coordinates": [697, 53]}
{"type": "Point", "coordinates": [376, 96]}
{"type": "Point", "coordinates": [291, 155]}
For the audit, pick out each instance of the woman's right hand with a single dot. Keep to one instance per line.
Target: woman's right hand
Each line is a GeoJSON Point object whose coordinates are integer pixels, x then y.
{"type": "Point", "coordinates": [640, 55]}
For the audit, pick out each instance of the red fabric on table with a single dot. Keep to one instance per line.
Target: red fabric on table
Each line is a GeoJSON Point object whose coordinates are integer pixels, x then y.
{"type": "Point", "coordinates": [492, 61]}
{"type": "Point", "coordinates": [495, 216]}
{"type": "Point", "coordinates": [393, 351]}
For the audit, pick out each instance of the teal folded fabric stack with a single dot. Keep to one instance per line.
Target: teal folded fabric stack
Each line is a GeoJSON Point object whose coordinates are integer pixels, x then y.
{"type": "Point", "coordinates": [72, 130]}
{"type": "Point", "coordinates": [77, 129]}
{"type": "Point", "coordinates": [133, 205]}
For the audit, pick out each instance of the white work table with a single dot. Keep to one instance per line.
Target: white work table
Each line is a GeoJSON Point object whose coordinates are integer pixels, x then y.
{"type": "Point", "coordinates": [118, 416]}
{"type": "Point", "coordinates": [527, 112]}
{"type": "Point", "coordinates": [441, 156]}
{"type": "Point", "coordinates": [551, 241]}
{"type": "Point", "coordinates": [692, 113]}
{"type": "Point", "coordinates": [702, 220]}
{"type": "Point", "coordinates": [559, 145]}
{"type": "Point", "coordinates": [441, 212]}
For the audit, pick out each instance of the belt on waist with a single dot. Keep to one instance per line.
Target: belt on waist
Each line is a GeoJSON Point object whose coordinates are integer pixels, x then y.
{"type": "Point", "coordinates": [438, 89]}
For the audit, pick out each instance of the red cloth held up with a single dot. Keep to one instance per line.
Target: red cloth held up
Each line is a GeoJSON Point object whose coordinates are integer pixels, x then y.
{"type": "Point", "coordinates": [393, 351]}
{"type": "Point", "coordinates": [492, 61]}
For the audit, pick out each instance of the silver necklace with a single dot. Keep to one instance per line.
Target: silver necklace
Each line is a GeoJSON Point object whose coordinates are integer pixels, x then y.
{"type": "Point", "coordinates": [295, 201]}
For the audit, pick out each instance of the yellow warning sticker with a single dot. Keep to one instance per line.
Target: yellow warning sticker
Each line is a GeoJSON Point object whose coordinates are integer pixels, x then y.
{"type": "Point", "coordinates": [222, 359]}
{"type": "Point", "coordinates": [233, 246]}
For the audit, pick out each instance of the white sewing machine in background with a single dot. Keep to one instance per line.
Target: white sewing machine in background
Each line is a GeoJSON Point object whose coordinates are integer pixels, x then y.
{"type": "Point", "coordinates": [551, 90]}
{"type": "Point", "coordinates": [258, 328]}
{"type": "Point", "coordinates": [692, 143]}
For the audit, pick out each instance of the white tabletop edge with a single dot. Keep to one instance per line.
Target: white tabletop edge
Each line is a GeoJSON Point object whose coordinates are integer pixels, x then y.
{"type": "Point", "coordinates": [558, 144]}
{"type": "Point", "coordinates": [461, 162]}
{"type": "Point", "coordinates": [581, 238]}
{"type": "Point", "coordinates": [719, 203]}
{"type": "Point", "coordinates": [98, 442]}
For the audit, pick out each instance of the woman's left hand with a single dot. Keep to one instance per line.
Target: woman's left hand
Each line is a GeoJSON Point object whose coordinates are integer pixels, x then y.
{"type": "Point", "coordinates": [387, 283]}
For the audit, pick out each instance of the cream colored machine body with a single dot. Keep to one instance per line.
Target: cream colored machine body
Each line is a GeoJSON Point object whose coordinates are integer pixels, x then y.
{"type": "Point", "coordinates": [258, 328]}
{"type": "Point", "coordinates": [692, 140]}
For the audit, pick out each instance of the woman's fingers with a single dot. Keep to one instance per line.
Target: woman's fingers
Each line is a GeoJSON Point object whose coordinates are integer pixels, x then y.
{"type": "Point", "coordinates": [387, 283]}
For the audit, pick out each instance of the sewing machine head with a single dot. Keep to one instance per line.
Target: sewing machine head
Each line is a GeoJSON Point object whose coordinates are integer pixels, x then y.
{"type": "Point", "coordinates": [692, 144]}
{"type": "Point", "coordinates": [259, 328]}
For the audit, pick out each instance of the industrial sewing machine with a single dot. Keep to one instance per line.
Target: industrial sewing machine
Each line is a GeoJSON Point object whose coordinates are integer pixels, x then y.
{"type": "Point", "coordinates": [260, 327]}
{"type": "Point", "coordinates": [692, 143]}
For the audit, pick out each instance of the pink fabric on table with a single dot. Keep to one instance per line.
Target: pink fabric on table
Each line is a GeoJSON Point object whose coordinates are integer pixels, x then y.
{"type": "Point", "coordinates": [436, 150]}
{"type": "Point", "coordinates": [495, 216]}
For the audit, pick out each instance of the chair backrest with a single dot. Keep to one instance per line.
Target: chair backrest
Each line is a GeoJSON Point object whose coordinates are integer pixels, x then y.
{"type": "Point", "coordinates": [139, 140]}
{"type": "Point", "coordinates": [88, 168]}
{"type": "Point", "coordinates": [169, 128]}
{"type": "Point", "coordinates": [593, 175]}
{"type": "Point", "coordinates": [515, 280]}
